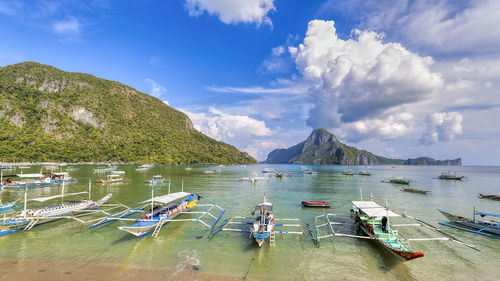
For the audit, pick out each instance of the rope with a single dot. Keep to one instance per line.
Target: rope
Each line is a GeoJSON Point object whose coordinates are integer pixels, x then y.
{"type": "Point", "coordinates": [248, 271]}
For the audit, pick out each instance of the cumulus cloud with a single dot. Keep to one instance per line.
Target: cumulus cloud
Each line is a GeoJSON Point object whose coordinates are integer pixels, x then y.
{"type": "Point", "coordinates": [157, 90]}
{"type": "Point", "coordinates": [226, 127]}
{"type": "Point", "coordinates": [442, 126]}
{"type": "Point", "coordinates": [360, 83]}
{"type": "Point", "coordinates": [69, 27]}
{"type": "Point", "coordinates": [233, 12]}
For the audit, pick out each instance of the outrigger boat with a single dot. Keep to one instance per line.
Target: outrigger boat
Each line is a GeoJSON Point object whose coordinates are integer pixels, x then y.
{"type": "Point", "coordinates": [160, 210]}
{"type": "Point", "coordinates": [414, 190]}
{"type": "Point", "coordinates": [264, 226]}
{"type": "Point", "coordinates": [398, 180]}
{"type": "Point", "coordinates": [156, 178]}
{"type": "Point", "coordinates": [450, 176]}
{"type": "Point", "coordinates": [489, 196]}
{"type": "Point", "coordinates": [487, 228]}
{"type": "Point", "coordinates": [25, 179]}
{"type": "Point", "coordinates": [364, 173]}
{"type": "Point", "coordinates": [348, 172]}
{"type": "Point", "coordinates": [60, 177]}
{"type": "Point", "coordinates": [374, 220]}
{"type": "Point", "coordinates": [28, 218]}
{"type": "Point", "coordinates": [112, 178]}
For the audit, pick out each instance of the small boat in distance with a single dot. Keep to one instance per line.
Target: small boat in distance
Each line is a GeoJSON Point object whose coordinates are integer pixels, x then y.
{"type": "Point", "coordinates": [112, 178]}
{"type": "Point", "coordinates": [364, 173]}
{"type": "Point", "coordinates": [450, 176]}
{"type": "Point", "coordinates": [348, 172]}
{"type": "Point", "coordinates": [397, 180]}
{"type": "Point", "coordinates": [414, 190]}
{"type": "Point", "coordinates": [487, 228]}
{"type": "Point", "coordinates": [489, 196]}
{"type": "Point", "coordinates": [316, 204]}
{"type": "Point", "coordinates": [156, 178]}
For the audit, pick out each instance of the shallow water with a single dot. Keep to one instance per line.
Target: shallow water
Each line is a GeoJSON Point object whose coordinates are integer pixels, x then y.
{"type": "Point", "coordinates": [182, 246]}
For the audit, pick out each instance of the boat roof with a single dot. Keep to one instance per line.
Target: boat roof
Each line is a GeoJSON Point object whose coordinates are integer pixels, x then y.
{"type": "Point", "coordinates": [167, 198]}
{"type": "Point", "coordinates": [372, 209]}
{"type": "Point", "coordinates": [30, 175]}
{"type": "Point", "coordinates": [60, 173]}
{"type": "Point", "coordinates": [266, 205]}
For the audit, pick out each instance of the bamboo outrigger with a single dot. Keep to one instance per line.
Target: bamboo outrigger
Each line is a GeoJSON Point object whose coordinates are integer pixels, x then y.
{"type": "Point", "coordinates": [264, 226]}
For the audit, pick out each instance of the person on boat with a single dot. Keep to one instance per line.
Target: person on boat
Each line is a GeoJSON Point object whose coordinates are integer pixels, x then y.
{"type": "Point", "coordinates": [384, 224]}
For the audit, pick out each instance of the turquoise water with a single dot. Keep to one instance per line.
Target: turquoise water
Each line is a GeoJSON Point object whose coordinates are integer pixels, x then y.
{"type": "Point", "coordinates": [183, 245]}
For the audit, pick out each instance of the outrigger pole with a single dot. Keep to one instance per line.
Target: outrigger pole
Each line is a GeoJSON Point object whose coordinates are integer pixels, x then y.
{"type": "Point", "coordinates": [450, 237]}
{"type": "Point", "coordinates": [90, 187]}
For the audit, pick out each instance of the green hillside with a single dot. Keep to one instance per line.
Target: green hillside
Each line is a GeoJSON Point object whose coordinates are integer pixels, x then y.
{"type": "Point", "coordinates": [51, 115]}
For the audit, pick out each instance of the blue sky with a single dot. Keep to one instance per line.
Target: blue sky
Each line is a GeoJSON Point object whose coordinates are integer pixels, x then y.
{"type": "Point", "coordinates": [399, 78]}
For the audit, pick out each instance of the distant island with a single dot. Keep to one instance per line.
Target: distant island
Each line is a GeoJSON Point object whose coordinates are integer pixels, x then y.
{"type": "Point", "coordinates": [51, 115]}
{"type": "Point", "coordinates": [322, 147]}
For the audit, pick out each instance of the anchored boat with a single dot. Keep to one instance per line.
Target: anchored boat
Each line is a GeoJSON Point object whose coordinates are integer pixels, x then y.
{"type": "Point", "coordinates": [264, 225]}
{"type": "Point", "coordinates": [450, 176]}
{"type": "Point", "coordinates": [487, 228]}
{"type": "Point", "coordinates": [160, 210]}
{"type": "Point", "coordinates": [374, 221]}
{"type": "Point", "coordinates": [28, 218]}
{"type": "Point", "coordinates": [316, 204]}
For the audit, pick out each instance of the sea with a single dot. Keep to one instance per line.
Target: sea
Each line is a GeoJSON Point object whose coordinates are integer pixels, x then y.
{"type": "Point", "coordinates": [67, 250]}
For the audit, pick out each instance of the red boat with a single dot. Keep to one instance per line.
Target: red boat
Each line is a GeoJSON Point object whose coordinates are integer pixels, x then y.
{"type": "Point", "coordinates": [317, 204]}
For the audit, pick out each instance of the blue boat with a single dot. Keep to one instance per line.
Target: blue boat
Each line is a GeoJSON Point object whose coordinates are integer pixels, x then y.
{"type": "Point", "coordinates": [487, 228]}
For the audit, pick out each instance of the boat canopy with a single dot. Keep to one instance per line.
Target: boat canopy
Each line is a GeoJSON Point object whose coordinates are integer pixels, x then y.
{"type": "Point", "coordinates": [60, 173]}
{"type": "Point", "coordinates": [266, 206]}
{"type": "Point", "coordinates": [372, 209]}
{"type": "Point", "coordinates": [43, 199]}
{"type": "Point", "coordinates": [486, 214]}
{"type": "Point", "coordinates": [30, 176]}
{"type": "Point", "coordinates": [168, 198]}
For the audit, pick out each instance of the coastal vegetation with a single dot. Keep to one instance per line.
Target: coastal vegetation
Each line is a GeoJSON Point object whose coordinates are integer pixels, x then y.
{"type": "Point", "coordinates": [51, 115]}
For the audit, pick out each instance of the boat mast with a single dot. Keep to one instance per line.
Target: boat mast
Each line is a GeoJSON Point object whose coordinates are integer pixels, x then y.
{"type": "Point", "coordinates": [169, 186]}
{"type": "Point", "coordinates": [474, 213]}
{"type": "Point", "coordinates": [25, 197]}
{"type": "Point", "coordinates": [90, 187]}
{"type": "Point", "coordinates": [152, 196]}
{"type": "Point", "coordinates": [182, 185]}
{"type": "Point", "coordinates": [361, 193]}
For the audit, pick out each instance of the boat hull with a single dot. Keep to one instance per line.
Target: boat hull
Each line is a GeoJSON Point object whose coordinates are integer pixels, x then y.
{"type": "Point", "coordinates": [401, 254]}
{"type": "Point", "coordinates": [316, 204]}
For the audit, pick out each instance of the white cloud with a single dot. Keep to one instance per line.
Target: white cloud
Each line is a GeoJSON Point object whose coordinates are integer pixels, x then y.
{"type": "Point", "coordinates": [290, 90]}
{"type": "Point", "coordinates": [362, 84]}
{"type": "Point", "coordinates": [157, 90]}
{"type": "Point", "coordinates": [276, 63]}
{"type": "Point", "coordinates": [225, 127]}
{"type": "Point", "coordinates": [278, 51]}
{"type": "Point", "coordinates": [443, 126]}
{"type": "Point", "coordinates": [69, 27]}
{"type": "Point", "coordinates": [233, 12]}
{"type": "Point", "coordinates": [440, 26]}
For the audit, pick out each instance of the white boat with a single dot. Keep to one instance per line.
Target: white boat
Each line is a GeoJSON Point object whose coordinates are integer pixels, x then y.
{"type": "Point", "coordinates": [264, 223]}
{"type": "Point", "coordinates": [112, 178]}
{"type": "Point", "coordinates": [60, 177]}
{"type": "Point", "coordinates": [29, 218]}
{"type": "Point", "coordinates": [156, 178]}
{"type": "Point", "coordinates": [118, 172]}
{"type": "Point", "coordinates": [24, 179]}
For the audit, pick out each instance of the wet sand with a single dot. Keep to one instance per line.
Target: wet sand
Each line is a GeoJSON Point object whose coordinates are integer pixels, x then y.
{"type": "Point", "coordinates": [55, 270]}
